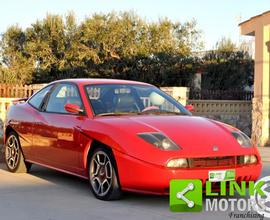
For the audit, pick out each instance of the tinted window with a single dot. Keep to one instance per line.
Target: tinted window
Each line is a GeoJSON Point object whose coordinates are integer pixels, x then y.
{"type": "Point", "coordinates": [61, 95]}
{"type": "Point", "coordinates": [39, 96]}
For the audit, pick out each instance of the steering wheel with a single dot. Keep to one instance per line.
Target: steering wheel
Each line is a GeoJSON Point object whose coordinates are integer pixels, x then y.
{"type": "Point", "coordinates": [150, 108]}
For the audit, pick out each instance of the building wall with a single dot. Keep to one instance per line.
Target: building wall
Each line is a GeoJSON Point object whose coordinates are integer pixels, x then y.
{"type": "Point", "coordinates": [259, 26]}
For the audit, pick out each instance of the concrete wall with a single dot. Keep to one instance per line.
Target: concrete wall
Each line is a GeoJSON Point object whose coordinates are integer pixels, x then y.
{"type": "Point", "coordinates": [235, 113]}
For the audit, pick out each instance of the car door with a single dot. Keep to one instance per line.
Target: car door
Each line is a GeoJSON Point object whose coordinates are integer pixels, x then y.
{"type": "Point", "coordinates": [35, 103]}
{"type": "Point", "coordinates": [59, 130]}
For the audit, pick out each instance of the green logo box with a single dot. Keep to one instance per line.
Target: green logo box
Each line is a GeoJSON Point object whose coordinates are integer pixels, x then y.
{"type": "Point", "coordinates": [185, 195]}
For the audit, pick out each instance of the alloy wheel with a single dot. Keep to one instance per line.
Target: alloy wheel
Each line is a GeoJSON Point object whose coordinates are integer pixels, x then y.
{"type": "Point", "coordinates": [12, 152]}
{"type": "Point", "coordinates": [101, 173]}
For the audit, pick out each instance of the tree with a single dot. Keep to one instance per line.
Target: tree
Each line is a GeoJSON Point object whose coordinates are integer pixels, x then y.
{"type": "Point", "coordinates": [227, 68]}
{"type": "Point", "coordinates": [16, 63]}
{"type": "Point", "coordinates": [225, 45]}
{"type": "Point", "coordinates": [113, 45]}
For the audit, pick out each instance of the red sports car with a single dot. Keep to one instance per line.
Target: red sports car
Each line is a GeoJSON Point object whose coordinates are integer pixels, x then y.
{"type": "Point", "coordinates": [122, 136]}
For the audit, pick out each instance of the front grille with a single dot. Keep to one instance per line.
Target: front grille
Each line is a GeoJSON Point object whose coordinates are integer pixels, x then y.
{"type": "Point", "coordinates": [212, 162]}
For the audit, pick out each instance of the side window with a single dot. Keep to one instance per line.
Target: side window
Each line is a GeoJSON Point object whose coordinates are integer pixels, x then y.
{"type": "Point", "coordinates": [39, 96]}
{"type": "Point", "coordinates": [61, 95]}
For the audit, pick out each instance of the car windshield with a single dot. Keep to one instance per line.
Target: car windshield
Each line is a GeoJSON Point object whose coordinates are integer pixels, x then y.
{"type": "Point", "coordinates": [125, 99]}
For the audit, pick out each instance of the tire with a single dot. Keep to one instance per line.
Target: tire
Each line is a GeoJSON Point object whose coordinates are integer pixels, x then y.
{"type": "Point", "coordinates": [14, 158]}
{"type": "Point", "coordinates": [103, 176]}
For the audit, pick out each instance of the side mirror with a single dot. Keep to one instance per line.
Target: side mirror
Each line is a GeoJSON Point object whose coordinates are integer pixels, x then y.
{"type": "Point", "coordinates": [189, 108]}
{"type": "Point", "coordinates": [72, 108]}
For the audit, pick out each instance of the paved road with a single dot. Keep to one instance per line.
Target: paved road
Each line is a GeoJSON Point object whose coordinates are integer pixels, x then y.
{"type": "Point", "coordinates": [48, 195]}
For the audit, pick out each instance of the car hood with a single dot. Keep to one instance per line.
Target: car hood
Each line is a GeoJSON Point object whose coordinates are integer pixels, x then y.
{"type": "Point", "coordinates": [192, 134]}
{"type": "Point", "coordinates": [197, 136]}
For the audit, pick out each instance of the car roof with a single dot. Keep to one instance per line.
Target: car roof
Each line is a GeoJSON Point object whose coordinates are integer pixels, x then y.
{"type": "Point", "coordinates": [86, 81]}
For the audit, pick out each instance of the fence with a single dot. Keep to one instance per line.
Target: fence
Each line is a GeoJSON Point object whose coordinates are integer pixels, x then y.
{"type": "Point", "coordinates": [221, 95]}
{"type": "Point", "coordinates": [9, 92]}
{"type": "Point", "coordinates": [18, 91]}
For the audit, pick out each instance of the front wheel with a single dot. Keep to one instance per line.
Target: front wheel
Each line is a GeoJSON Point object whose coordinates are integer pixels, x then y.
{"type": "Point", "coordinates": [103, 175]}
{"type": "Point", "coordinates": [14, 158]}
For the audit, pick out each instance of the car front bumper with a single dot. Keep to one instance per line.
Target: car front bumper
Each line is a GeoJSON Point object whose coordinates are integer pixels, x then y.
{"type": "Point", "coordinates": [139, 176]}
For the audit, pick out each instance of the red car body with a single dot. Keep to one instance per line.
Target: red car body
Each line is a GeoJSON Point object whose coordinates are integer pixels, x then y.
{"type": "Point", "coordinates": [63, 142]}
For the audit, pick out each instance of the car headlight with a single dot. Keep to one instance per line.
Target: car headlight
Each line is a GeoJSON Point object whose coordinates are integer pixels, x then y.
{"type": "Point", "coordinates": [178, 163]}
{"type": "Point", "coordinates": [159, 140]}
{"type": "Point", "coordinates": [247, 159]}
{"type": "Point", "coordinates": [242, 139]}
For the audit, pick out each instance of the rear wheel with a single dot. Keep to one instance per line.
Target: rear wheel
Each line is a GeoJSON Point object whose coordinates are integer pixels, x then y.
{"type": "Point", "coordinates": [103, 175]}
{"type": "Point", "coordinates": [13, 155]}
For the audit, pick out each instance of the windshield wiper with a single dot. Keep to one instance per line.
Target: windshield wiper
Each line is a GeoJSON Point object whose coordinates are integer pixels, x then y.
{"type": "Point", "coordinates": [161, 112]}
{"type": "Point", "coordinates": [117, 113]}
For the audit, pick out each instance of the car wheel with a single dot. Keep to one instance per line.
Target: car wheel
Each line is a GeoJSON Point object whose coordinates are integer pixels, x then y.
{"type": "Point", "coordinates": [13, 155]}
{"type": "Point", "coordinates": [103, 175]}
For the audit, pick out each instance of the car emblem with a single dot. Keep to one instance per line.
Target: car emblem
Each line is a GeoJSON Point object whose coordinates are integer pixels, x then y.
{"type": "Point", "coordinates": [215, 148]}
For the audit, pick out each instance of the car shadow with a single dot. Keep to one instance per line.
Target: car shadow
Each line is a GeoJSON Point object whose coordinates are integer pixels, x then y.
{"type": "Point", "coordinates": [82, 186]}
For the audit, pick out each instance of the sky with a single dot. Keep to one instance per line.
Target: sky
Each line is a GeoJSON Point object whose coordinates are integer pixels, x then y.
{"type": "Point", "coordinates": [215, 18]}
